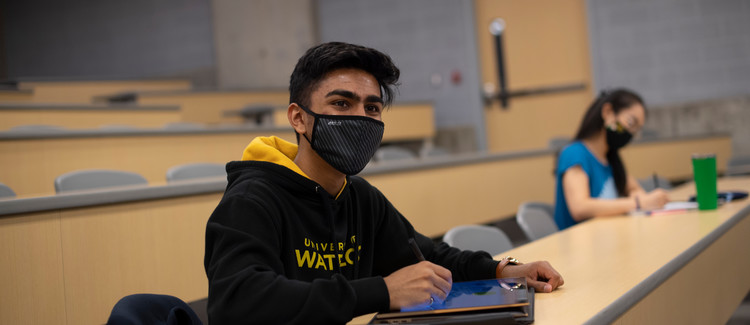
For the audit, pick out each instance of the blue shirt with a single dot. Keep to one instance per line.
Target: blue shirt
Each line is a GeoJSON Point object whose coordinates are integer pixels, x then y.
{"type": "Point", "coordinates": [601, 182]}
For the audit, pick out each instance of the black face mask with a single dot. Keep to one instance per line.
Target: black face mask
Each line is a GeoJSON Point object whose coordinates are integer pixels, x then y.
{"type": "Point", "coordinates": [617, 136]}
{"type": "Point", "coordinates": [346, 142]}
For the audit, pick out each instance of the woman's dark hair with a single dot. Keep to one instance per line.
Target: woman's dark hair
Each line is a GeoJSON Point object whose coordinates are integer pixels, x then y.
{"type": "Point", "coordinates": [327, 57]}
{"type": "Point", "coordinates": [593, 123]}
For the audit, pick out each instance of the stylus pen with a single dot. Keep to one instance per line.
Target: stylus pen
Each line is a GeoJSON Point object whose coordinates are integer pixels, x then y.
{"type": "Point", "coordinates": [415, 249]}
{"type": "Point", "coordinates": [656, 181]}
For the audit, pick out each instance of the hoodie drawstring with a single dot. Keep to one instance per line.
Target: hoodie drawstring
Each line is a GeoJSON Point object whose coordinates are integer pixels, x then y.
{"type": "Point", "coordinates": [326, 200]}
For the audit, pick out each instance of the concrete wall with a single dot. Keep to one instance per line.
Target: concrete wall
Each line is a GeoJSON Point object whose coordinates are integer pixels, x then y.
{"type": "Point", "coordinates": [726, 115]}
{"type": "Point", "coordinates": [109, 39]}
{"type": "Point", "coordinates": [690, 59]}
{"type": "Point", "coordinates": [432, 42]}
{"type": "Point", "coordinates": [672, 51]}
{"type": "Point", "coordinates": [258, 42]}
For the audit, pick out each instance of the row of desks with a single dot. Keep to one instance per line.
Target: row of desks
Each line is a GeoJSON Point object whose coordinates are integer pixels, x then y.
{"type": "Point", "coordinates": [78, 253]}
{"type": "Point", "coordinates": [84, 91]}
{"type": "Point", "coordinates": [78, 262]}
{"type": "Point", "coordinates": [29, 162]}
{"type": "Point", "coordinates": [687, 268]}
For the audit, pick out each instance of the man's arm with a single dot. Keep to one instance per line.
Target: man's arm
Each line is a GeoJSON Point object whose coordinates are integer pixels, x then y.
{"type": "Point", "coordinates": [246, 281]}
{"type": "Point", "coordinates": [467, 265]}
{"type": "Point", "coordinates": [540, 274]}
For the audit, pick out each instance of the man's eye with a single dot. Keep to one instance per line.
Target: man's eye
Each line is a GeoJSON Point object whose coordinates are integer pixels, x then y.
{"type": "Point", "coordinates": [373, 108]}
{"type": "Point", "coordinates": [341, 103]}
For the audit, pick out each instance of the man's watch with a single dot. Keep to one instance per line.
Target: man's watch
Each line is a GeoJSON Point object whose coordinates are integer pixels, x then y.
{"type": "Point", "coordinates": [512, 260]}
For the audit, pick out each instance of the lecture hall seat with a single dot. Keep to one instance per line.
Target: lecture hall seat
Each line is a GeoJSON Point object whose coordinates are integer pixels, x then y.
{"type": "Point", "coordinates": [478, 238]}
{"type": "Point", "coordinates": [96, 178]}
{"type": "Point", "coordinates": [195, 170]}
{"type": "Point", "coordinates": [6, 192]}
{"type": "Point", "coordinates": [536, 219]}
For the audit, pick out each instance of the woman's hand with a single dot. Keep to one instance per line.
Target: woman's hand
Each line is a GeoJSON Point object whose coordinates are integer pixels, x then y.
{"type": "Point", "coordinates": [653, 200]}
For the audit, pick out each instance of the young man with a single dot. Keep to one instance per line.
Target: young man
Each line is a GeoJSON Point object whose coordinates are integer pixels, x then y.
{"type": "Point", "coordinates": [298, 240]}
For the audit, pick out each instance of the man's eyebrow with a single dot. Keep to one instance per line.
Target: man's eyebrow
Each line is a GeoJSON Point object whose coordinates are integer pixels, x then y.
{"type": "Point", "coordinates": [351, 95]}
{"type": "Point", "coordinates": [374, 99]}
{"type": "Point", "coordinates": [343, 93]}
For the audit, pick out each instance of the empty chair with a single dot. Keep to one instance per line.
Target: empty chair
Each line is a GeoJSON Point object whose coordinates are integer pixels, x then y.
{"type": "Point", "coordinates": [145, 308]}
{"type": "Point", "coordinates": [393, 153]}
{"type": "Point", "coordinates": [649, 184]}
{"type": "Point", "coordinates": [116, 127]}
{"type": "Point", "coordinates": [96, 178]}
{"type": "Point", "coordinates": [649, 134]}
{"type": "Point", "coordinates": [559, 142]}
{"type": "Point", "coordinates": [738, 165]}
{"type": "Point", "coordinates": [478, 238]}
{"type": "Point", "coordinates": [435, 152]}
{"type": "Point", "coordinates": [36, 128]}
{"type": "Point", "coordinates": [6, 192]}
{"type": "Point", "coordinates": [261, 114]}
{"type": "Point", "coordinates": [183, 126]}
{"type": "Point", "coordinates": [200, 307]}
{"type": "Point", "coordinates": [195, 170]}
{"type": "Point", "coordinates": [536, 219]}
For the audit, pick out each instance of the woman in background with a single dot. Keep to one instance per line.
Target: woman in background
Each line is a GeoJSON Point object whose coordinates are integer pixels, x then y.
{"type": "Point", "coordinates": [591, 178]}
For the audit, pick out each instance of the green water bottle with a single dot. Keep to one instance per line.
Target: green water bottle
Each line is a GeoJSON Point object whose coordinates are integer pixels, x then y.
{"type": "Point", "coordinates": [704, 174]}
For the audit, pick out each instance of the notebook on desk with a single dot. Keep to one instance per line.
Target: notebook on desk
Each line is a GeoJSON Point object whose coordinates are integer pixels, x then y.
{"type": "Point", "coordinates": [495, 301]}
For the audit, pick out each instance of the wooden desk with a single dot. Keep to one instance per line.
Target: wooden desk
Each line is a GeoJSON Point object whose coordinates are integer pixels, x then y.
{"type": "Point", "coordinates": [683, 268]}
{"type": "Point", "coordinates": [70, 266]}
{"type": "Point", "coordinates": [83, 91]}
{"type": "Point", "coordinates": [209, 106]}
{"type": "Point", "coordinates": [470, 189]}
{"type": "Point", "coordinates": [30, 164]}
{"type": "Point", "coordinates": [15, 95]}
{"type": "Point", "coordinates": [688, 268]}
{"type": "Point", "coordinates": [77, 259]}
{"type": "Point", "coordinates": [79, 116]}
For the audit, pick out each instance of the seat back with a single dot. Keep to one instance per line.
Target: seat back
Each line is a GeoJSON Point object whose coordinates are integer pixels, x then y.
{"type": "Point", "coordinates": [31, 128]}
{"type": "Point", "coordinates": [738, 165]}
{"type": "Point", "coordinates": [96, 178]}
{"type": "Point", "coordinates": [558, 143]}
{"type": "Point", "coordinates": [183, 126]}
{"type": "Point", "coordinates": [478, 238]}
{"type": "Point", "coordinates": [145, 308]}
{"type": "Point", "coordinates": [536, 219]}
{"type": "Point", "coordinates": [649, 184]}
{"type": "Point", "coordinates": [195, 170]}
{"type": "Point", "coordinates": [6, 192]}
{"type": "Point", "coordinates": [387, 153]}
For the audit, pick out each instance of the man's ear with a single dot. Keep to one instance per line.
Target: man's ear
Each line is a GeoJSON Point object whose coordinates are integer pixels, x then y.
{"type": "Point", "coordinates": [296, 117]}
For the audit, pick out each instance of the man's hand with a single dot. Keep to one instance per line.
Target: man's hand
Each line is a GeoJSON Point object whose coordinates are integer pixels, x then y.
{"type": "Point", "coordinates": [417, 283]}
{"type": "Point", "coordinates": [539, 275]}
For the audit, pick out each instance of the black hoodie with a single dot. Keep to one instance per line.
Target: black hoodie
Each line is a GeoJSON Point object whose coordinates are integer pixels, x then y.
{"type": "Point", "coordinates": [281, 250]}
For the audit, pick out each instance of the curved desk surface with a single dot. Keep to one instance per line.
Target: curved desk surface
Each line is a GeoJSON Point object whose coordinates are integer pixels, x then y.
{"type": "Point", "coordinates": [435, 194]}
{"type": "Point", "coordinates": [74, 116]}
{"type": "Point", "coordinates": [684, 268]}
{"type": "Point", "coordinates": [29, 162]}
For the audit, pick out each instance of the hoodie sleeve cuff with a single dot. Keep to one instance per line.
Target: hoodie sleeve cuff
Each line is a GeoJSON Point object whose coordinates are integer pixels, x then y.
{"type": "Point", "coordinates": [489, 269]}
{"type": "Point", "coordinates": [372, 295]}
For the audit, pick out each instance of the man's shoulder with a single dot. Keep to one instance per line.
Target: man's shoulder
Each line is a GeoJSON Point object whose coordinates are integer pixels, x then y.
{"type": "Point", "coordinates": [256, 178]}
{"type": "Point", "coordinates": [362, 186]}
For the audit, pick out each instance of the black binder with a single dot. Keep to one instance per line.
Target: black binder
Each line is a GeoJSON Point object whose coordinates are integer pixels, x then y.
{"type": "Point", "coordinates": [503, 315]}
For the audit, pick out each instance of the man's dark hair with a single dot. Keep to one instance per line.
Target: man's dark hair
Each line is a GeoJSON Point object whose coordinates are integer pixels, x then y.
{"type": "Point", "coordinates": [327, 57]}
